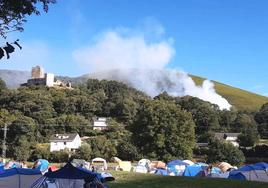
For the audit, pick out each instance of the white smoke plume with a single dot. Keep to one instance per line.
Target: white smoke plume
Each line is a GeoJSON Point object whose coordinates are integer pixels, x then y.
{"type": "Point", "coordinates": [142, 64]}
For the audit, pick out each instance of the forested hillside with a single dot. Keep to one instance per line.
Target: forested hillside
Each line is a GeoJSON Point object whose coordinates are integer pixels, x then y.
{"type": "Point", "coordinates": [240, 99]}
{"type": "Point", "coordinates": [161, 128]}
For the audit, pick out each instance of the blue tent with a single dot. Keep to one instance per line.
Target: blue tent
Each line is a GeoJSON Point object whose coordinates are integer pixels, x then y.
{"type": "Point", "coordinates": [41, 165]}
{"type": "Point", "coordinates": [254, 172]}
{"type": "Point", "coordinates": [68, 177]}
{"type": "Point", "coordinates": [71, 172]}
{"type": "Point", "coordinates": [161, 171]}
{"type": "Point", "coordinates": [18, 177]}
{"type": "Point", "coordinates": [176, 167]}
{"type": "Point", "coordinates": [257, 166]}
{"type": "Point", "coordinates": [177, 162]}
{"type": "Point", "coordinates": [215, 170]}
{"type": "Point", "coordinates": [193, 170]}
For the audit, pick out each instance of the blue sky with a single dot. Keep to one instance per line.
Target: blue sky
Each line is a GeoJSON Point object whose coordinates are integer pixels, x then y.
{"type": "Point", "coordinates": [223, 40]}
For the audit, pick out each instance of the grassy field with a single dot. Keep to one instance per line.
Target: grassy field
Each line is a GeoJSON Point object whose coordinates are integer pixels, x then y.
{"type": "Point", "coordinates": [241, 99]}
{"type": "Point", "coordinates": [136, 180]}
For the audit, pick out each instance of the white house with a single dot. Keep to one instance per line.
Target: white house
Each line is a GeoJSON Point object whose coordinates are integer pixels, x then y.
{"type": "Point", "coordinates": [231, 137]}
{"type": "Point", "coordinates": [65, 141]}
{"type": "Point", "coordinates": [100, 123]}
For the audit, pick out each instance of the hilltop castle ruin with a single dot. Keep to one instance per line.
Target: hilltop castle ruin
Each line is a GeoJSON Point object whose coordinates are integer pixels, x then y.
{"type": "Point", "coordinates": [39, 77]}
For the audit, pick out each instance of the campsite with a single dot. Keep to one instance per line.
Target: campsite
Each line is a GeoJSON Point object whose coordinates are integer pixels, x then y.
{"type": "Point", "coordinates": [77, 173]}
{"type": "Point", "coordinates": [133, 94]}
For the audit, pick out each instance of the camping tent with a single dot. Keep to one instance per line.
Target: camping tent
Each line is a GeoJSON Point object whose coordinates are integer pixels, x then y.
{"type": "Point", "coordinates": [193, 170]}
{"type": "Point", "coordinates": [99, 163]}
{"type": "Point", "coordinates": [143, 166]}
{"type": "Point", "coordinates": [176, 167]}
{"type": "Point", "coordinates": [162, 172]}
{"type": "Point", "coordinates": [254, 172]}
{"type": "Point", "coordinates": [124, 166]}
{"type": "Point", "coordinates": [18, 177]}
{"type": "Point", "coordinates": [67, 177]}
{"type": "Point", "coordinates": [224, 166]}
{"type": "Point", "coordinates": [41, 165]}
{"type": "Point", "coordinates": [158, 164]}
{"type": "Point", "coordinates": [188, 162]}
{"type": "Point", "coordinates": [81, 163]}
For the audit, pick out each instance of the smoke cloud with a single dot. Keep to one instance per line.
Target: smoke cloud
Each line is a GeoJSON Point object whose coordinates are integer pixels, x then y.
{"type": "Point", "coordinates": [129, 56]}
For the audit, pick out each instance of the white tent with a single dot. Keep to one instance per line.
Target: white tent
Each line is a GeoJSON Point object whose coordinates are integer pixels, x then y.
{"type": "Point", "coordinates": [97, 161]}
{"type": "Point", "coordinates": [143, 166]}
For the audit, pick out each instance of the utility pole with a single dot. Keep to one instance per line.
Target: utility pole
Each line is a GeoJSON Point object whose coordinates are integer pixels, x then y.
{"type": "Point", "coordinates": [4, 148]}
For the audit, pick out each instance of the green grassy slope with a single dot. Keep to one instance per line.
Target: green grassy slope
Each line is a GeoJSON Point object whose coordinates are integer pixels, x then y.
{"type": "Point", "coordinates": [134, 180]}
{"type": "Point", "coordinates": [241, 99]}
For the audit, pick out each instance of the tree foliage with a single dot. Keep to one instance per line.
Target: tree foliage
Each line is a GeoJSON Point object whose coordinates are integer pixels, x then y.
{"type": "Point", "coordinates": [262, 118]}
{"type": "Point", "coordinates": [224, 151]}
{"type": "Point", "coordinates": [13, 13]}
{"type": "Point", "coordinates": [139, 126]}
{"type": "Point", "coordinates": [163, 131]}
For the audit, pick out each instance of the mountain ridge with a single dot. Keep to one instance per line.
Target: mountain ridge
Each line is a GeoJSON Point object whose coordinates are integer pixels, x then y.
{"type": "Point", "coordinates": [241, 99]}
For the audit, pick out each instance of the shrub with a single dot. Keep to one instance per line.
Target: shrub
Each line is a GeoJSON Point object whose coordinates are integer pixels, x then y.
{"type": "Point", "coordinates": [59, 156]}
{"type": "Point", "coordinates": [224, 151]}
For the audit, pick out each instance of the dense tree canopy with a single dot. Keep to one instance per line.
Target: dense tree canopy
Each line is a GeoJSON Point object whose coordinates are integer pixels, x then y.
{"type": "Point", "coordinates": [224, 151]}
{"type": "Point", "coordinates": [139, 126]}
{"type": "Point", "coordinates": [262, 118]}
{"type": "Point", "coordinates": [164, 131]}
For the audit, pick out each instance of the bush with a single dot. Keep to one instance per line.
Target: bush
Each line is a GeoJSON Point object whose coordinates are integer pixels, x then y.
{"type": "Point", "coordinates": [224, 151]}
{"type": "Point", "coordinates": [127, 151]}
{"type": "Point", "coordinates": [84, 152]}
{"type": "Point", "coordinates": [59, 156]}
{"type": "Point", "coordinates": [257, 151]}
{"type": "Point", "coordinates": [40, 152]}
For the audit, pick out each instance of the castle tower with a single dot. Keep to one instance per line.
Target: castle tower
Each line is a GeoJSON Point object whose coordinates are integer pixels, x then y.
{"type": "Point", "coordinates": [38, 72]}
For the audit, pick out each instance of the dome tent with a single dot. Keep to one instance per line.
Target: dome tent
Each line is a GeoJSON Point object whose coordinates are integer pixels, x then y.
{"type": "Point", "coordinates": [143, 166]}
{"type": "Point", "coordinates": [254, 172]}
{"type": "Point", "coordinates": [176, 167]}
{"type": "Point", "coordinates": [193, 170]}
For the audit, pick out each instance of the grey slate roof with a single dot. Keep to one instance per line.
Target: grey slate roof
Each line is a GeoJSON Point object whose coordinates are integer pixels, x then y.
{"type": "Point", "coordinates": [63, 137]}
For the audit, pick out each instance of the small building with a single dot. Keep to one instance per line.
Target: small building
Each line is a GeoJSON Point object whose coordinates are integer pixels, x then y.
{"type": "Point", "coordinates": [100, 123]}
{"type": "Point", "coordinates": [231, 137]}
{"type": "Point", "coordinates": [60, 142]}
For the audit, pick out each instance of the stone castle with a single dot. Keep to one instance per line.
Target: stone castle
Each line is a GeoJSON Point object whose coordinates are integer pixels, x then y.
{"type": "Point", "coordinates": [39, 77]}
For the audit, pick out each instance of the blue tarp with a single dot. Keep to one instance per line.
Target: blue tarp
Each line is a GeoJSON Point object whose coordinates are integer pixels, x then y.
{"type": "Point", "coordinates": [22, 171]}
{"type": "Point", "coordinates": [71, 172]}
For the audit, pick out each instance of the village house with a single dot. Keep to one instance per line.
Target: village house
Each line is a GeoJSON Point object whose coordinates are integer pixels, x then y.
{"type": "Point", "coordinates": [70, 142]}
{"type": "Point", "coordinates": [231, 137]}
{"type": "Point", "coordinates": [100, 123]}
